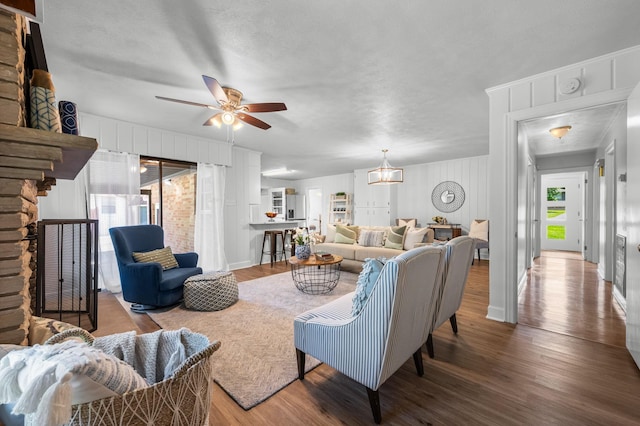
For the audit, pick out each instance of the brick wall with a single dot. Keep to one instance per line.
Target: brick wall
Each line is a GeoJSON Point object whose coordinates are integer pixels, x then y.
{"type": "Point", "coordinates": [18, 197]}
{"type": "Point", "coordinates": [179, 211]}
{"type": "Point", "coordinates": [30, 162]}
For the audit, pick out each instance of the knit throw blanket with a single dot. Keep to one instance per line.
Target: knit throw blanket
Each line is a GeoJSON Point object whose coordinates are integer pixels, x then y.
{"type": "Point", "coordinates": [40, 379]}
{"type": "Point", "coordinates": [155, 356]}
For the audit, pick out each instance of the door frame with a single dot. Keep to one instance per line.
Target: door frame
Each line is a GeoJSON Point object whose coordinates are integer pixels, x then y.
{"type": "Point", "coordinates": [504, 275]}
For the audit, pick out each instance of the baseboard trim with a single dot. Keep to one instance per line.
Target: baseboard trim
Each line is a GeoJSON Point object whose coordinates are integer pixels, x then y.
{"type": "Point", "coordinates": [622, 302]}
{"type": "Point", "coordinates": [495, 314]}
{"type": "Point", "coordinates": [240, 265]}
{"type": "Point", "coordinates": [522, 284]}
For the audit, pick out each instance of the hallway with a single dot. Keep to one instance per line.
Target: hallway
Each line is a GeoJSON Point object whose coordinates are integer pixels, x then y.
{"type": "Point", "coordinates": [564, 294]}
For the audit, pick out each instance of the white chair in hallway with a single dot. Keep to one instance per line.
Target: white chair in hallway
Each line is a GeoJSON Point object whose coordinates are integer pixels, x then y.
{"type": "Point", "coordinates": [479, 231]}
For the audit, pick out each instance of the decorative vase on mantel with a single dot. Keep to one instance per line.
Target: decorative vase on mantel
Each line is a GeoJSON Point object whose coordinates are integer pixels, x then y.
{"type": "Point", "coordinates": [303, 252]}
{"type": "Point", "coordinates": [44, 112]}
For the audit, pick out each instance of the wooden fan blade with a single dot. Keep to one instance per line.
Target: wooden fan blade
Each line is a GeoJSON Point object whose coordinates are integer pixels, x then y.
{"type": "Point", "coordinates": [252, 120]}
{"type": "Point", "coordinates": [180, 101]}
{"type": "Point", "coordinates": [215, 120]}
{"type": "Point", "coordinates": [215, 89]}
{"type": "Point", "coordinates": [265, 107]}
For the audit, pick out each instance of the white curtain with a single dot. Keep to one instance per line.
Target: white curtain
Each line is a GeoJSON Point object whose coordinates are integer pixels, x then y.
{"type": "Point", "coordinates": [114, 199]}
{"type": "Point", "coordinates": [209, 229]}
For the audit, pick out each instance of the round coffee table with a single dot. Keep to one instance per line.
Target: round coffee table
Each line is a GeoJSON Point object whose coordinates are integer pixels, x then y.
{"type": "Point", "coordinates": [315, 276]}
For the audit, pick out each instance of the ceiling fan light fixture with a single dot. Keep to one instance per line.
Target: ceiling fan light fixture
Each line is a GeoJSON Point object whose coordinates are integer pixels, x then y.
{"type": "Point", "coordinates": [228, 118]}
{"type": "Point", "coordinates": [559, 132]}
{"type": "Point", "coordinates": [237, 124]}
{"type": "Point", "coordinates": [385, 174]}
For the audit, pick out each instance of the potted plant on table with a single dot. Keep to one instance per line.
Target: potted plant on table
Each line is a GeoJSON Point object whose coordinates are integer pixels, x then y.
{"type": "Point", "coordinates": [303, 249]}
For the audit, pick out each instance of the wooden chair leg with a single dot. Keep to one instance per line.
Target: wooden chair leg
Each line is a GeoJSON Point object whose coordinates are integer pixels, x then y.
{"type": "Point", "coordinates": [417, 359]}
{"type": "Point", "coordinates": [454, 323]}
{"type": "Point", "coordinates": [430, 345]}
{"type": "Point", "coordinates": [300, 356]}
{"type": "Point", "coordinates": [374, 400]}
{"type": "Point", "coordinates": [264, 240]}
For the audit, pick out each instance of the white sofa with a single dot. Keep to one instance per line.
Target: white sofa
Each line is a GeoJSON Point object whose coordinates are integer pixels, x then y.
{"type": "Point", "coordinates": [355, 254]}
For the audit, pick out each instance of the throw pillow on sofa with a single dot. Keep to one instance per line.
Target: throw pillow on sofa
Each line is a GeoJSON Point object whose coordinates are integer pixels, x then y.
{"type": "Point", "coordinates": [331, 234]}
{"type": "Point", "coordinates": [371, 238]}
{"type": "Point", "coordinates": [395, 239]}
{"type": "Point", "coordinates": [366, 280]}
{"type": "Point", "coordinates": [341, 239]}
{"type": "Point", "coordinates": [163, 256]}
{"type": "Point", "coordinates": [345, 235]}
{"type": "Point", "coordinates": [410, 223]}
{"type": "Point", "coordinates": [414, 236]}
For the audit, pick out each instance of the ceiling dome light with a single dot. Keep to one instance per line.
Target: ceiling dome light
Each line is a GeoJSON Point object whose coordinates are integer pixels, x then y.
{"type": "Point", "coordinates": [559, 132]}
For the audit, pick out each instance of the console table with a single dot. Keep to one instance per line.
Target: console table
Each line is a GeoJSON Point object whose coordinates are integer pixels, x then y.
{"type": "Point", "coordinates": [452, 229]}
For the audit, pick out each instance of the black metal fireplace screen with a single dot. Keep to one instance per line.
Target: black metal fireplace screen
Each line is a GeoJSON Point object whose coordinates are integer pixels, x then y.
{"type": "Point", "coordinates": [67, 272]}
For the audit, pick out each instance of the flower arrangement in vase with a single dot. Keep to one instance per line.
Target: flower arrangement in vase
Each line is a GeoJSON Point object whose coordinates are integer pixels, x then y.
{"type": "Point", "coordinates": [302, 240]}
{"type": "Point", "coordinates": [439, 220]}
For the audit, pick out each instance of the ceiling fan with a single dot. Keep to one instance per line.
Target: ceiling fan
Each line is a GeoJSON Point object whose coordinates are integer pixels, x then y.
{"type": "Point", "coordinates": [231, 110]}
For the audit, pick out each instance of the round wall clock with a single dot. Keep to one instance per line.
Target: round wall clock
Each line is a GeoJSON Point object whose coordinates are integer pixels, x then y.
{"type": "Point", "coordinates": [447, 196]}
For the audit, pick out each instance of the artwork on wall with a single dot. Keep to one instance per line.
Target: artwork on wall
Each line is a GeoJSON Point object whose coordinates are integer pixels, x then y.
{"type": "Point", "coordinates": [447, 196]}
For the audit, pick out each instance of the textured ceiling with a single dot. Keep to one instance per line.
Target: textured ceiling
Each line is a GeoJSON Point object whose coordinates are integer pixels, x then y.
{"type": "Point", "coordinates": [356, 76]}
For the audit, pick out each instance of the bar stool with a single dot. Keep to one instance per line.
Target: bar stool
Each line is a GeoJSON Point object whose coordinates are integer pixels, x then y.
{"type": "Point", "coordinates": [289, 241]}
{"type": "Point", "coordinates": [273, 245]}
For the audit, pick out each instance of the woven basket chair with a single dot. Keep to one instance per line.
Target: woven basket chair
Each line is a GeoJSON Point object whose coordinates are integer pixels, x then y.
{"type": "Point", "coordinates": [183, 399]}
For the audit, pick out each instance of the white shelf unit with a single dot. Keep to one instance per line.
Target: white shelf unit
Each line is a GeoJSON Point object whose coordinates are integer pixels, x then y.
{"type": "Point", "coordinates": [341, 209]}
{"type": "Point", "coordinates": [278, 201]}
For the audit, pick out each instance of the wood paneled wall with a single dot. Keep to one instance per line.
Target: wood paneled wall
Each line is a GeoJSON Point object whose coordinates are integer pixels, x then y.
{"type": "Point", "coordinates": [122, 136]}
{"type": "Point", "coordinates": [414, 195]}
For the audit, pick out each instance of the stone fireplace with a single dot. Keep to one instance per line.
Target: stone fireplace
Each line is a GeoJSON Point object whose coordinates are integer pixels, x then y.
{"type": "Point", "coordinates": [30, 162]}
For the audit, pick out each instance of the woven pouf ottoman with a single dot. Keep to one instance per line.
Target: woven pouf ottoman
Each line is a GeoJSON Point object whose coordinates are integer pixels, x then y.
{"type": "Point", "coordinates": [212, 291]}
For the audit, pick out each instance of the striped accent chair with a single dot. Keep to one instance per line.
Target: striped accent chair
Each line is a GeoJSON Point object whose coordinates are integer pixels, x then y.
{"type": "Point", "coordinates": [391, 327]}
{"type": "Point", "coordinates": [458, 259]}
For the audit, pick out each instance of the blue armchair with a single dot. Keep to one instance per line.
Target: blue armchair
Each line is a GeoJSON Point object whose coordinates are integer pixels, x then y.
{"type": "Point", "coordinates": [146, 285]}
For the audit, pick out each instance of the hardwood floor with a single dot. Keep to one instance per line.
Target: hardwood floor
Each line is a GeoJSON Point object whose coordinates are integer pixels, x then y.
{"type": "Point", "coordinates": [564, 294]}
{"type": "Point", "coordinates": [489, 374]}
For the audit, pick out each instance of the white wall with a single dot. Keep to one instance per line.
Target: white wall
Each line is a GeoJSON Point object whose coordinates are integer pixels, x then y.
{"type": "Point", "coordinates": [242, 178]}
{"type": "Point", "coordinates": [613, 220]}
{"type": "Point", "coordinates": [121, 136]}
{"type": "Point", "coordinates": [606, 79]}
{"type": "Point", "coordinates": [564, 161]}
{"type": "Point", "coordinates": [328, 185]}
{"type": "Point", "coordinates": [242, 189]}
{"type": "Point", "coordinates": [414, 195]}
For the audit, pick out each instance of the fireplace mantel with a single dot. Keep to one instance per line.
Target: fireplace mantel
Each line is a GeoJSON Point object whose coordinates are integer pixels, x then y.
{"type": "Point", "coordinates": [27, 153]}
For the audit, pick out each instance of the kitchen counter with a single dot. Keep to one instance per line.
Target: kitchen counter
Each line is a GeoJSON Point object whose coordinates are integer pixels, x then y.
{"type": "Point", "coordinates": [278, 222]}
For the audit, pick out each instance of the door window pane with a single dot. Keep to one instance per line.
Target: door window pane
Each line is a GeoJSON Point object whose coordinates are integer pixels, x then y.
{"type": "Point", "coordinates": [556, 193]}
{"type": "Point", "coordinates": [556, 212]}
{"type": "Point", "coordinates": [555, 232]}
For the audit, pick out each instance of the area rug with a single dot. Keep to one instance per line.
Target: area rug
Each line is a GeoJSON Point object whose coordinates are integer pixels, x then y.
{"type": "Point", "coordinates": [257, 357]}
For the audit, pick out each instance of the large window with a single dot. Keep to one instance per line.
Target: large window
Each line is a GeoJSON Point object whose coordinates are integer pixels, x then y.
{"type": "Point", "coordinates": [168, 190]}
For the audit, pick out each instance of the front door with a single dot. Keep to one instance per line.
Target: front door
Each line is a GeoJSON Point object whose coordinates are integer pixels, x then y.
{"type": "Point", "coordinates": [562, 211]}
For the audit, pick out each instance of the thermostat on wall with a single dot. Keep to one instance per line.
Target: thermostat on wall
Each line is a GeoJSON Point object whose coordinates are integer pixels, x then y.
{"type": "Point", "coordinates": [569, 86]}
